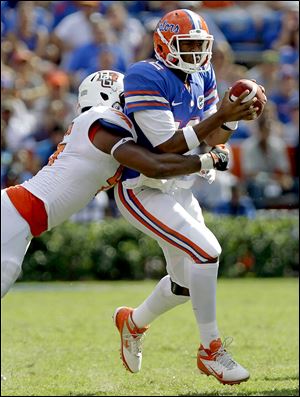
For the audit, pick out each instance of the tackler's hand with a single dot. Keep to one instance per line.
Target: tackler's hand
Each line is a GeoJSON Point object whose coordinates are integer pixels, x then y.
{"type": "Point", "coordinates": [217, 158]}
{"type": "Point", "coordinates": [220, 156]}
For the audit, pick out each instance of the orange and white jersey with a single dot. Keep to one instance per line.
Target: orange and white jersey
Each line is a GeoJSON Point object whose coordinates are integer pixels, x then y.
{"type": "Point", "coordinates": [77, 171]}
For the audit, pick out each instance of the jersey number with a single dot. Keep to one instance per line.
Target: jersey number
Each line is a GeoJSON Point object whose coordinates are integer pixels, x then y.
{"type": "Point", "coordinates": [53, 157]}
{"type": "Point", "coordinates": [60, 146]}
{"type": "Point", "coordinates": [113, 180]}
{"type": "Point", "coordinates": [157, 65]}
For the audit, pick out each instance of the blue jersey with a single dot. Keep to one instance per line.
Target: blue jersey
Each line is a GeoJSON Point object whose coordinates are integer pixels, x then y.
{"type": "Point", "coordinates": [151, 85]}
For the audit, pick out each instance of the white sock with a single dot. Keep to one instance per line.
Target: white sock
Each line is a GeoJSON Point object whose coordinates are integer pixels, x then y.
{"type": "Point", "coordinates": [161, 300]}
{"type": "Point", "coordinates": [203, 285]}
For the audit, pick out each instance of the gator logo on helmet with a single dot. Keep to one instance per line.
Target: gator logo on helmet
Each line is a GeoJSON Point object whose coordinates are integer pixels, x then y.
{"type": "Point", "coordinates": [166, 27]}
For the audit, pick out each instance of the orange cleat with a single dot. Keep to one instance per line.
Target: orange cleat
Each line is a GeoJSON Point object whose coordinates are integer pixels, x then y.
{"type": "Point", "coordinates": [131, 338]}
{"type": "Point", "coordinates": [217, 361]}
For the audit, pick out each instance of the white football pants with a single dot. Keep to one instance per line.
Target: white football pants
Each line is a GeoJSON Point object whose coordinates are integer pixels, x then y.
{"type": "Point", "coordinates": [175, 220]}
{"type": "Point", "coordinates": [15, 240]}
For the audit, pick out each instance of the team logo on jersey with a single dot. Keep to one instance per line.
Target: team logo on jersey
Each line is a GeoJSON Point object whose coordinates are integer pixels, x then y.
{"type": "Point", "coordinates": [165, 27]}
{"type": "Point", "coordinates": [200, 101]}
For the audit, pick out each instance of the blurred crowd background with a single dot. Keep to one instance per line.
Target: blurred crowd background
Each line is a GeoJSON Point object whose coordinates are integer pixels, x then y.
{"type": "Point", "coordinates": [48, 47]}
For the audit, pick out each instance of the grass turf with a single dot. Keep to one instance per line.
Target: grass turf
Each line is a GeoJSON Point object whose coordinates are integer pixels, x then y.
{"type": "Point", "coordinates": [59, 340]}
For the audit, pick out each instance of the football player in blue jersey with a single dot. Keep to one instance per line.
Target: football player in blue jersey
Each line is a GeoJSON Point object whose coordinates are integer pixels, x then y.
{"type": "Point", "coordinates": [172, 104]}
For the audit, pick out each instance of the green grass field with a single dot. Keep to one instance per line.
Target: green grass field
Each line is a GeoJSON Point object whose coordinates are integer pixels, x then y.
{"type": "Point", "coordinates": [59, 340]}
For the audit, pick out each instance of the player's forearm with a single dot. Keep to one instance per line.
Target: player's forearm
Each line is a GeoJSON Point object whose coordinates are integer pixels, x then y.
{"type": "Point", "coordinates": [171, 165]}
{"type": "Point", "coordinates": [218, 137]}
{"type": "Point", "coordinates": [179, 143]}
{"type": "Point", "coordinates": [155, 165]}
{"type": "Point", "coordinates": [168, 165]}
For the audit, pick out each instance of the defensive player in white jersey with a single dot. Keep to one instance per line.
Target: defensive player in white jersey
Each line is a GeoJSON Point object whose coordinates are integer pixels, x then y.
{"type": "Point", "coordinates": [169, 100]}
{"type": "Point", "coordinates": [86, 162]}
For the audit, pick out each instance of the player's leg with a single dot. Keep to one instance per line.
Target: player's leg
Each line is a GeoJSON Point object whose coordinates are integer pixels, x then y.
{"type": "Point", "coordinates": [183, 239]}
{"type": "Point", "coordinates": [164, 297]}
{"type": "Point", "coordinates": [167, 293]}
{"type": "Point", "coordinates": [212, 358]}
{"type": "Point", "coordinates": [202, 279]}
{"type": "Point", "coordinates": [162, 217]}
{"type": "Point", "coordinates": [15, 239]}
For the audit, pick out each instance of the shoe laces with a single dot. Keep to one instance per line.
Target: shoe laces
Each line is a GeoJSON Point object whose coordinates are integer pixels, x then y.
{"type": "Point", "coordinates": [223, 357]}
{"type": "Point", "coordinates": [135, 342]}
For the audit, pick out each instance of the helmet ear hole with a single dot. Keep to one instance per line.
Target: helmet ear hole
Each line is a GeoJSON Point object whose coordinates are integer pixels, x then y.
{"type": "Point", "coordinates": [104, 96]}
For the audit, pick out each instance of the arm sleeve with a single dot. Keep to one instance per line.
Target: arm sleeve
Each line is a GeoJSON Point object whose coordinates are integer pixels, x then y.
{"type": "Point", "coordinates": [157, 125]}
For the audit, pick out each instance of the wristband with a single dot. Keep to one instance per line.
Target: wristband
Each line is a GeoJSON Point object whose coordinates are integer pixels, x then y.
{"type": "Point", "coordinates": [191, 138]}
{"type": "Point", "coordinates": [230, 125]}
{"type": "Point", "coordinates": [206, 161]}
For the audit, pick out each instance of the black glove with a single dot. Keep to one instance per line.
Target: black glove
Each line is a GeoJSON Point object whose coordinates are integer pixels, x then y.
{"type": "Point", "coordinates": [220, 156]}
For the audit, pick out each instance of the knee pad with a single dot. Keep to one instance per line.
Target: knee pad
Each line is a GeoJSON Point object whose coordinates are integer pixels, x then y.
{"type": "Point", "coordinates": [178, 289]}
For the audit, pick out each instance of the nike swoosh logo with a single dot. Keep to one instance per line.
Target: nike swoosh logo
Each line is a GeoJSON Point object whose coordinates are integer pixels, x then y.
{"type": "Point", "coordinates": [220, 375]}
{"type": "Point", "coordinates": [176, 103]}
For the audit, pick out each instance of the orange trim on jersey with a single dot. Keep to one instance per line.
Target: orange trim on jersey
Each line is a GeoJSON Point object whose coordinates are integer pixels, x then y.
{"type": "Point", "coordinates": [123, 117]}
{"type": "Point", "coordinates": [31, 208]}
{"type": "Point", "coordinates": [211, 100]}
{"type": "Point", "coordinates": [94, 128]}
{"type": "Point", "coordinates": [113, 180]}
{"type": "Point", "coordinates": [142, 92]}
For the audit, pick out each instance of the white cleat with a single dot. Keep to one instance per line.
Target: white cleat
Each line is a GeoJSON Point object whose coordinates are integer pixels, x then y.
{"type": "Point", "coordinates": [131, 338]}
{"type": "Point", "coordinates": [217, 361]}
{"type": "Point", "coordinates": [2, 378]}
